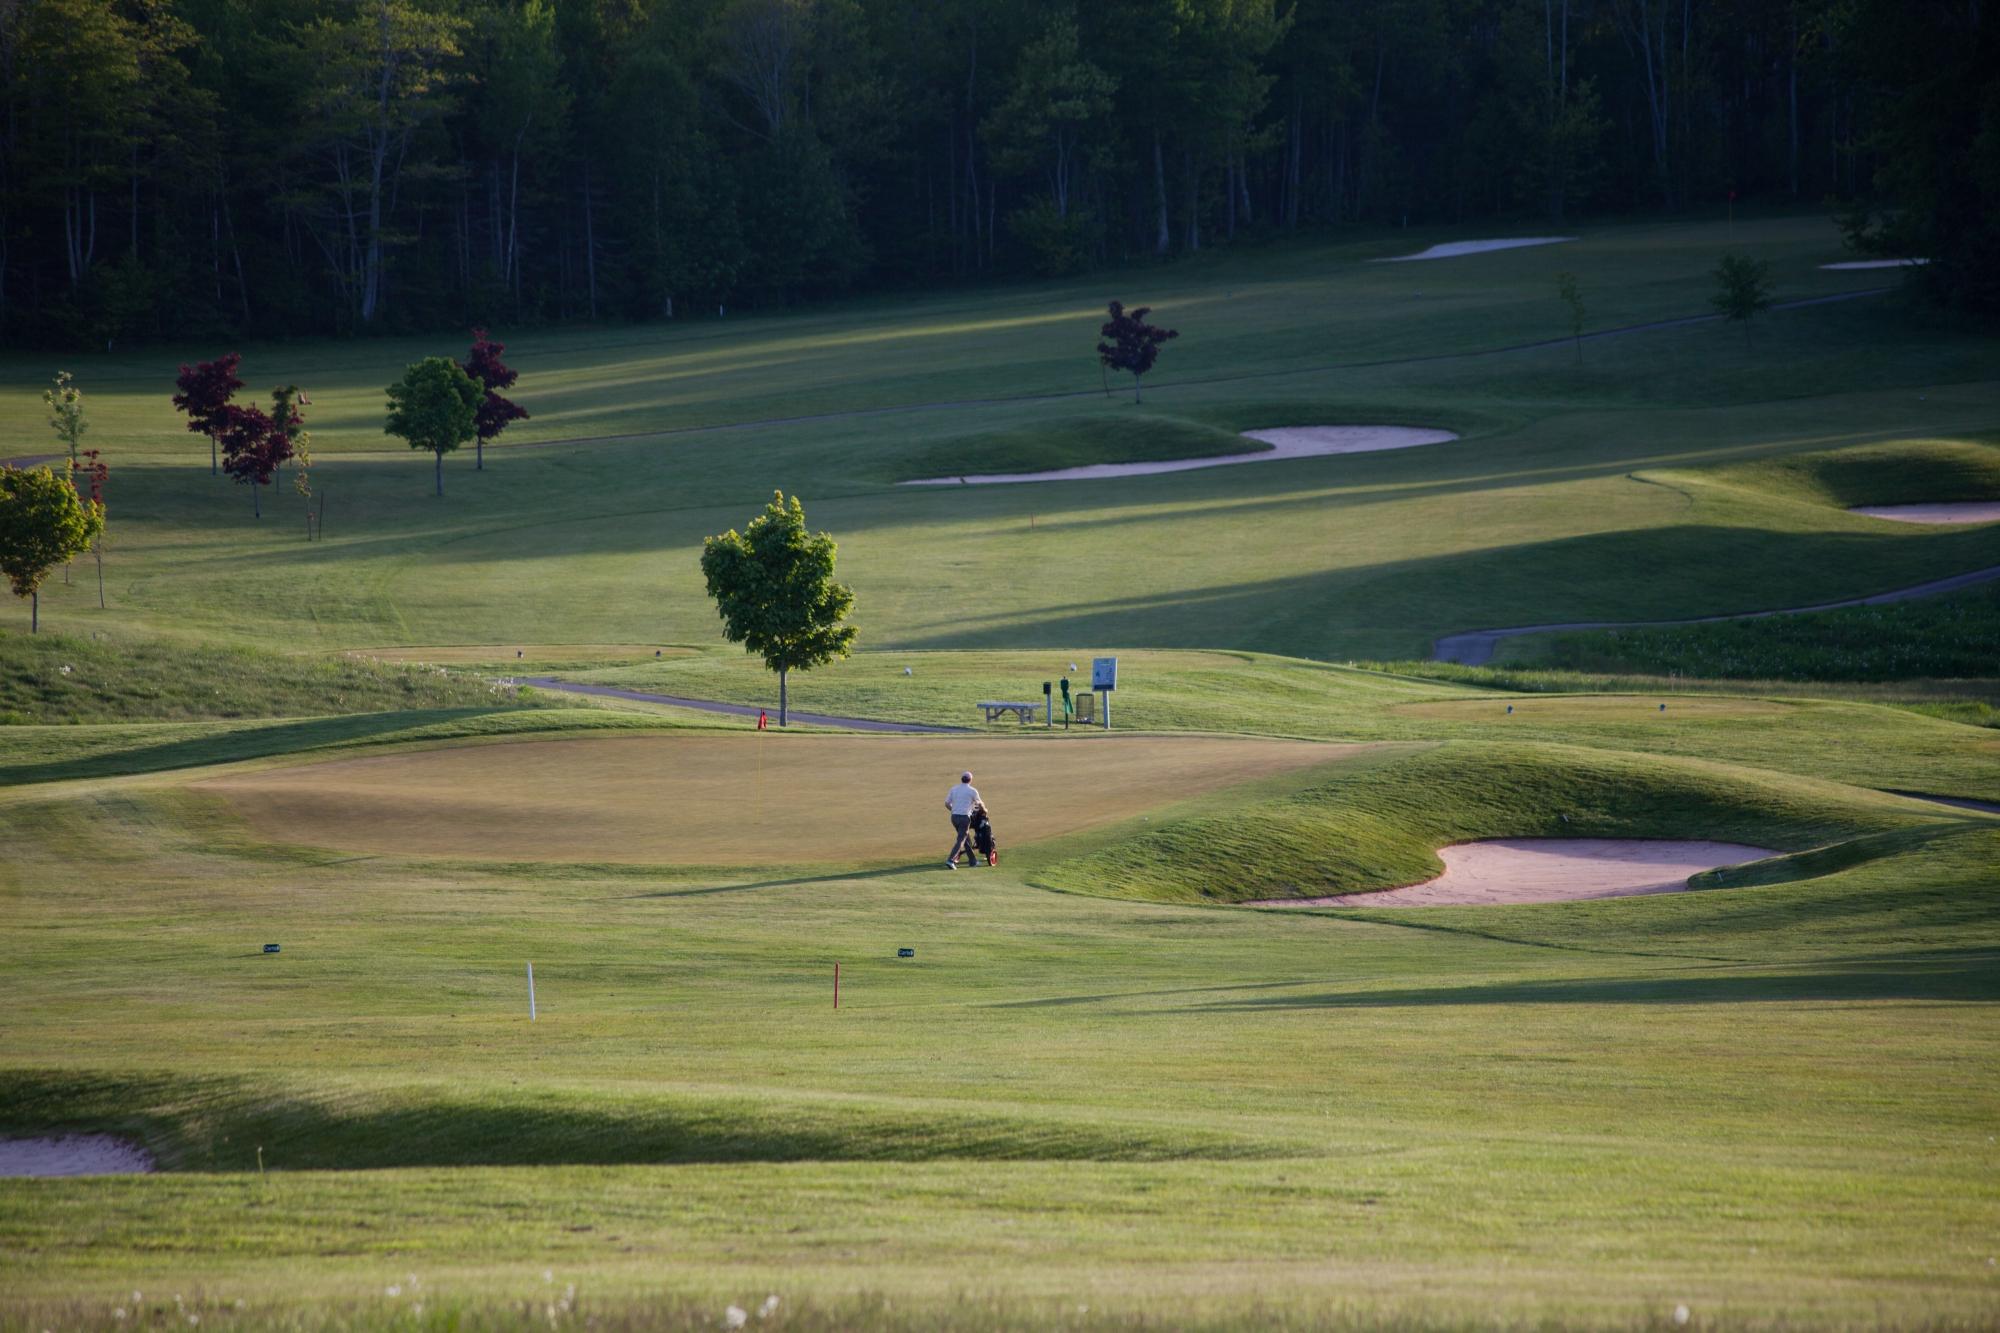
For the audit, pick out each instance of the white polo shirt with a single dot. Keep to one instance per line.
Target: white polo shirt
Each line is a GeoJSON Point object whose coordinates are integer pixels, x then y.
{"type": "Point", "coordinates": [962, 798]}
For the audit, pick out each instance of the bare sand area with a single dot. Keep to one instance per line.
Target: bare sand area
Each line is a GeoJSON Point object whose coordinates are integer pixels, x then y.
{"type": "Point", "coordinates": [72, 1155]}
{"type": "Point", "coordinates": [1955, 511]}
{"type": "Point", "coordinates": [1453, 249]}
{"type": "Point", "coordinates": [456, 654]}
{"type": "Point", "coordinates": [1285, 441]}
{"type": "Point", "coordinates": [1856, 265]}
{"type": "Point", "coordinates": [761, 799]}
{"type": "Point", "coordinates": [1548, 870]}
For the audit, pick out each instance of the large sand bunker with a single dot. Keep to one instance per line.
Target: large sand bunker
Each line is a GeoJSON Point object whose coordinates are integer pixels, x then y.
{"type": "Point", "coordinates": [1955, 511]}
{"type": "Point", "coordinates": [1548, 870]}
{"type": "Point", "coordinates": [1285, 441]}
{"type": "Point", "coordinates": [1453, 249]}
{"type": "Point", "coordinates": [735, 800]}
{"type": "Point", "coordinates": [72, 1155]}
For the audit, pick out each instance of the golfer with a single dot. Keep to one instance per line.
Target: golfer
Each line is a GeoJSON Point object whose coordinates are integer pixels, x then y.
{"type": "Point", "coordinates": [960, 800]}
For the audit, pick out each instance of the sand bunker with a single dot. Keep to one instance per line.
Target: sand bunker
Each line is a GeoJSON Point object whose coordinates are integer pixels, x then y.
{"type": "Point", "coordinates": [757, 799]}
{"type": "Point", "coordinates": [1549, 870]}
{"type": "Point", "coordinates": [1453, 249]}
{"type": "Point", "coordinates": [1850, 265]}
{"type": "Point", "coordinates": [72, 1155]}
{"type": "Point", "coordinates": [1285, 441]}
{"type": "Point", "coordinates": [1958, 511]}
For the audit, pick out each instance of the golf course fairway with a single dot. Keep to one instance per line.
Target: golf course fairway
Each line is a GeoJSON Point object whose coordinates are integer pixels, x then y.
{"type": "Point", "coordinates": [291, 828]}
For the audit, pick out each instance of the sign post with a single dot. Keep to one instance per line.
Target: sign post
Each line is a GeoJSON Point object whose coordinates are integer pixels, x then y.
{"type": "Point", "coordinates": [1104, 679]}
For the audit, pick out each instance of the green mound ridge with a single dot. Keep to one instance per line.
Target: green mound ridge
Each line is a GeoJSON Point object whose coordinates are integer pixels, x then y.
{"type": "Point", "coordinates": [1377, 821]}
{"type": "Point", "coordinates": [58, 678]}
{"type": "Point", "coordinates": [219, 1124]}
{"type": "Point", "coordinates": [55, 754]}
{"type": "Point", "coordinates": [1899, 472]}
{"type": "Point", "coordinates": [1075, 442]}
{"type": "Point", "coordinates": [1956, 636]}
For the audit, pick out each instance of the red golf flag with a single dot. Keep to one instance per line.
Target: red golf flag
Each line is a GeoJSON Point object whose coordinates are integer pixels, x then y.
{"type": "Point", "coordinates": [762, 718]}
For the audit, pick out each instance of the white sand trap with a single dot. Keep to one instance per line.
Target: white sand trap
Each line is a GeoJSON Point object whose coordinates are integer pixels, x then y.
{"type": "Point", "coordinates": [72, 1155]}
{"type": "Point", "coordinates": [1957, 511]}
{"type": "Point", "coordinates": [1286, 442]}
{"type": "Point", "coordinates": [1548, 870]}
{"type": "Point", "coordinates": [1453, 249]}
{"type": "Point", "coordinates": [1850, 265]}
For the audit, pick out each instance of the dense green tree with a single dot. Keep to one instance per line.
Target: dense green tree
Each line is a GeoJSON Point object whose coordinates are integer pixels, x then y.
{"type": "Point", "coordinates": [773, 587]}
{"type": "Point", "coordinates": [435, 408]}
{"type": "Point", "coordinates": [195, 169]}
{"type": "Point", "coordinates": [1742, 290]}
{"type": "Point", "coordinates": [43, 523]}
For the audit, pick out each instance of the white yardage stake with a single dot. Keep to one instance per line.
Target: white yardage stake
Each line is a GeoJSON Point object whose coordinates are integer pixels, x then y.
{"type": "Point", "coordinates": [531, 992]}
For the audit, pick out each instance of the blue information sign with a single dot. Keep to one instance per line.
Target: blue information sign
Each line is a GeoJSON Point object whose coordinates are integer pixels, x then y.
{"type": "Point", "coordinates": [1103, 673]}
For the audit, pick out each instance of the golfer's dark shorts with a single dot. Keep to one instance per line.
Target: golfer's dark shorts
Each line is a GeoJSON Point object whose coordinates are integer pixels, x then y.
{"type": "Point", "coordinates": [961, 823]}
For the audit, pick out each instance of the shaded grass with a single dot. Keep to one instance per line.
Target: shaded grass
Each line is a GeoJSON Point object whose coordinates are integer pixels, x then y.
{"type": "Point", "coordinates": [1956, 635]}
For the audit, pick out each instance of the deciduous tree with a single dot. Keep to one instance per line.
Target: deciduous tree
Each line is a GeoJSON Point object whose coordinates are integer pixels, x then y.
{"type": "Point", "coordinates": [492, 374]}
{"type": "Point", "coordinates": [1743, 290]}
{"type": "Point", "coordinates": [773, 587]}
{"type": "Point", "coordinates": [434, 407]}
{"type": "Point", "coordinates": [1134, 344]}
{"type": "Point", "coordinates": [43, 522]}
{"type": "Point", "coordinates": [205, 390]}
{"type": "Point", "coordinates": [65, 404]}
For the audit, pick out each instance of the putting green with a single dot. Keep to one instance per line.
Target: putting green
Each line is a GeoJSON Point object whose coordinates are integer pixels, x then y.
{"type": "Point", "coordinates": [735, 800]}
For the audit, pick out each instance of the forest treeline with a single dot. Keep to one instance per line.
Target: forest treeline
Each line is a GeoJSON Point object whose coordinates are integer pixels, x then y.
{"type": "Point", "coordinates": [188, 167]}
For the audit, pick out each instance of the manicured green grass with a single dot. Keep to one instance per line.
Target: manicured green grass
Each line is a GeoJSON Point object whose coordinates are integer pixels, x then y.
{"type": "Point", "coordinates": [1094, 1084]}
{"type": "Point", "coordinates": [1957, 635]}
{"type": "Point", "coordinates": [51, 678]}
{"type": "Point", "coordinates": [1549, 510]}
{"type": "Point", "coordinates": [1590, 1112]}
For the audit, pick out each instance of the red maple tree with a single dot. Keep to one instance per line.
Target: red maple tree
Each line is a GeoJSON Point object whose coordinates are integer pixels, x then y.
{"type": "Point", "coordinates": [488, 370]}
{"type": "Point", "coordinates": [205, 390]}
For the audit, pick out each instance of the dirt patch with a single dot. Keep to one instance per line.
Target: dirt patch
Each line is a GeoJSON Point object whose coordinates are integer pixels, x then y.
{"type": "Point", "coordinates": [754, 799]}
{"type": "Point", "coordinates": [1591, 708]}
{"type": "Point", "coordinates": [1548, 870]}
{"type": "Point", "coordinates": [1286, 442]}
{"type": "Point", "coordinates": [1453, 249]}
{"type": "Point", "coordinates": [73, 1155]}
{"type": "Point", "coordinates": [1956, 511]}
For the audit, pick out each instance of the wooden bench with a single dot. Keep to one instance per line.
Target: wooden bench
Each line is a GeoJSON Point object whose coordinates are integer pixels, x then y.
{"type": "Point", "coordinates": [1025, 712]}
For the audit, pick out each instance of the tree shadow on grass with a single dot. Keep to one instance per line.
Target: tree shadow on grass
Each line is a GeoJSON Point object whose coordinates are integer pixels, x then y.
{"type": "Point", "coordinates": [218, 1124]}
{"type": "Point", "coordinates": [1961, 975]}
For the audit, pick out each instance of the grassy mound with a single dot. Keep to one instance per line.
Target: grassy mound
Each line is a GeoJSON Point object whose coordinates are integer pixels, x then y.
{"type": "Point", "coordinates": [1952, 637]}
{"type": "Point", "coordinates": [1900, 472]}
{"type": "Point", "coordinates": [221, 1123]}
{"type": "Point", "coordinates": [50, 678]}
{"type": "Point", "coordinates": [1075, 442]}
{"type": "Point", "coordinates": [1376, 823]}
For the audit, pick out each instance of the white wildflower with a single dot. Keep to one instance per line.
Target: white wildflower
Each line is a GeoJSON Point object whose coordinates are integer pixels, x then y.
{"type": "Point", "coordinates": [1680, 1314]}
{"type": "Point", "coordinates": [735, 1316]}
{"type": "Point", "coordinates": [548, 1275]}
{"type": "Point", "coordinates": [768, 1308]}
{"type": "Point", "coordinates": [118, 1313]}
{"type": "Point", "coordinates": [392, 1291]}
